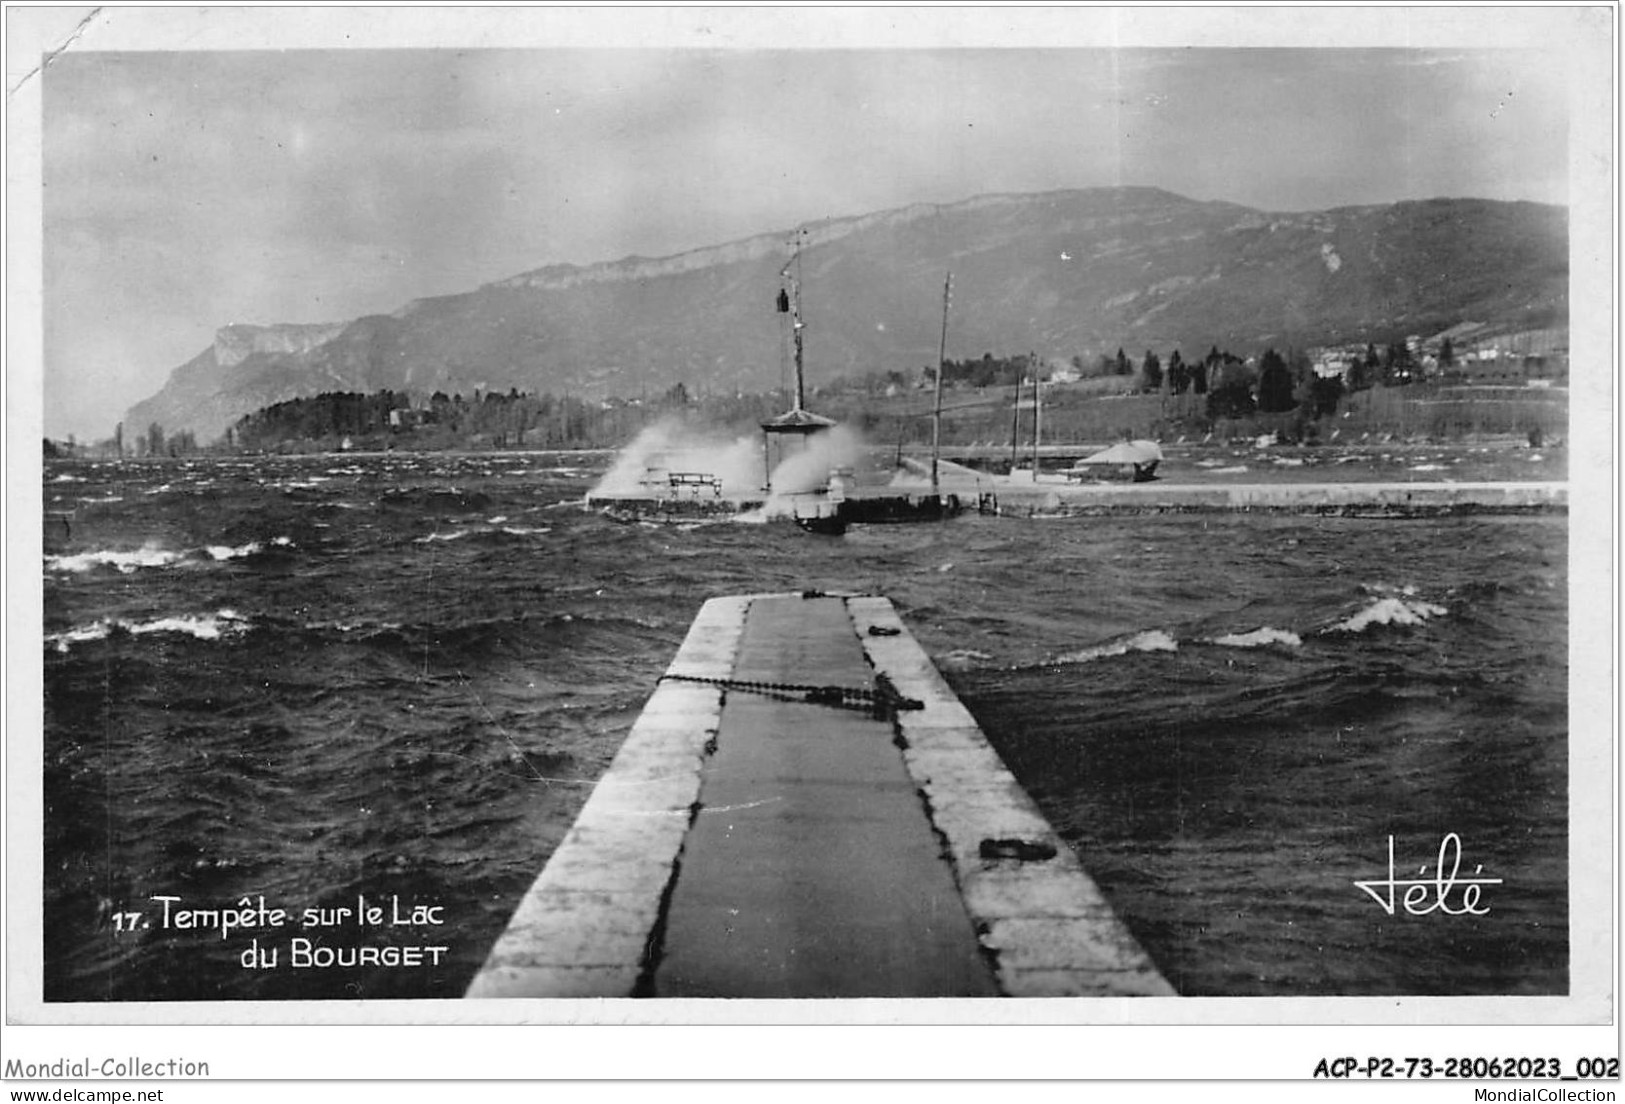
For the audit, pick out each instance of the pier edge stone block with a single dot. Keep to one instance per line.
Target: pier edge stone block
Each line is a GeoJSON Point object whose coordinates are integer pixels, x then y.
{"type": "Point", "coordinates": [584, 927]}
{"type": "Point", "coordinates": [1050, 930]}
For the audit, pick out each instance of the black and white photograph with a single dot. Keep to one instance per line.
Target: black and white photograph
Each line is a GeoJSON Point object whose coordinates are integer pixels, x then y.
{"type": "Point", "coordinates": [563, 515]}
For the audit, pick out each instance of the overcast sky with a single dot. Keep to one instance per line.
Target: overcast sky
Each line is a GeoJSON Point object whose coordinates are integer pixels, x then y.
{"type": "Point", "coordinates": [185, 189]}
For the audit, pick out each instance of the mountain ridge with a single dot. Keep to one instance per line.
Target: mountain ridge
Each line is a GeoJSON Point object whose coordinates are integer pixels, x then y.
{"type": "Point", "coordinates": [1063, 273]}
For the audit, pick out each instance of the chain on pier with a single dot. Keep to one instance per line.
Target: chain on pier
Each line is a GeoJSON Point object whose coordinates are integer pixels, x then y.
{"type": "Point", "coordinates": [883, 700]}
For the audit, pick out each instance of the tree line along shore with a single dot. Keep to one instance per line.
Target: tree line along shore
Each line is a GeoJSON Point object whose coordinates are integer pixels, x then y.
{"type": "Point", "coordinates": [1224, 398]}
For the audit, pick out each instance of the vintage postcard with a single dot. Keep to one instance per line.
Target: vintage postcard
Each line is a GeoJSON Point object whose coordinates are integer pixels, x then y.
{"type": "Point", "coordinates": [711, 516]}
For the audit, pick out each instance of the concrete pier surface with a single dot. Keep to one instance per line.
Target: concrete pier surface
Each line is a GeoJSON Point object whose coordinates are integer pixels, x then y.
{"type": "Point", "coordinates": [805, 810]}
{"type": "Point", "coordinates": [811, 869]}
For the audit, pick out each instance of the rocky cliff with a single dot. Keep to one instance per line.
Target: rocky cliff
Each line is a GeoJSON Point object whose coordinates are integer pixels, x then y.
{"type": "Point", "coordinates": [234, 344]}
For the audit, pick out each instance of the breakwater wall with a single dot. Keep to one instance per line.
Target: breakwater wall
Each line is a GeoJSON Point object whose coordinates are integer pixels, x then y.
{"type": "Point", "coordinates": [1059, 499]}
{"type": "Point", "coordinates": [1420, 499]}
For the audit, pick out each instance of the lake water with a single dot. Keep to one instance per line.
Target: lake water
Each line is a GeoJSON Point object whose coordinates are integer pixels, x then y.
{"type": "Point", "coordinates": [320, 679]}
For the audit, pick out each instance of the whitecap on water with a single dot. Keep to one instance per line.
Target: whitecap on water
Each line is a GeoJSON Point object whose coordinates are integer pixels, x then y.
{"type": "Point", "coordinates": [962, 659]}
{"type": "Point", "coordinates": [63, 640]}
{"type": "Point", "coordinates": [1390, 611]}
{"type": "Point", "coordinates": [352, 626]}
{"type": "Point", "coordinates": [224, 552]}
{"type": "Point", "coordinates": [1152, 640]}
{"type": "Point", "coordinates": [215, 626]}
{"type": "Point", "coordinates": [125, 561]}
{"type": "Point", "coordinates": [1259, 637]}
{"type": "Point", "coordinates": [203, 626]}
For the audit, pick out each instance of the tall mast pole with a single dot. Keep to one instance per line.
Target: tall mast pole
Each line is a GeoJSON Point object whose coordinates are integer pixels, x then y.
{"type": "Point", "coordinates": [1038, 420]}
{"type": "Point", "coordinates": [1015, 425]}
{"type": "Point", "coordinates": [942, 357]}
{"type": "Point", "coordinates": [795, 317]}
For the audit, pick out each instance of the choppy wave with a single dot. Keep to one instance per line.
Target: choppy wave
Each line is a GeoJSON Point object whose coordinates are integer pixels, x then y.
{"type": "Point", "coordinates": [225, 552]}
{"type": "Point", "coordinates": [435, 502]}
{"type": "Point", "coordinates": [1386, 610]}
{"type": "Point", "coordinates": [218, 625]}
{"type": "Point", "coordinates": [1389, 610]}
{"type": "Point", "coordinates": [1259, 637]}
{"type": "Point", "coordinates": [508, 530]}
{"type": "Point", "coordinates": [129, 561]}
{"type": "Point", "coordinates": [353, 626]}
{"type": "Point", "coordinates": [126, 561]}
{"type": "Point", "coordinates": [441, 704]}
{"type": "Point", "coordinates": [1152, 640]}
{"type": "Point", "coordinates": [962, 659]}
